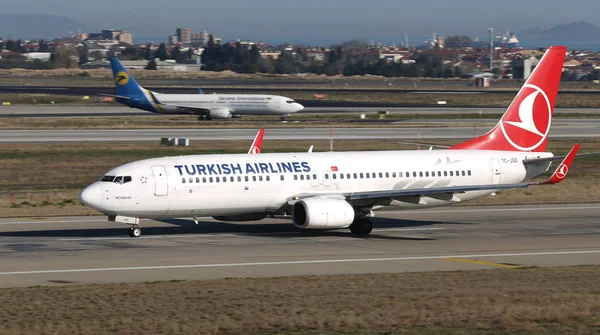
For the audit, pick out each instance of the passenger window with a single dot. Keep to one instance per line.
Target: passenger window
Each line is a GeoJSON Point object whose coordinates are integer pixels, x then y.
{"type": "Point", "coordinates": [426, 173]}
{"type": "Point", "coordinates": [469, 172]}
{"type": "Point", "coordinates": [361, 175]}
{"type": "Point", "coordinates": [457, 173]}
{"type": "Point", "coordinates": [367, 175]}
{"type": "Point", "coordinates": [232, 179]}
{"type": "Point", "coordinates": [307, 177]}
{"type": "Point", "coordinates": [314, 176]}
{"type": "Point", "coordinates": [301, 177]}
{"type": "Point", "coordinates": [399, 174]}
{"type": "Point", "coordinates": [463, 173]}
{"type": "Point", "coordinates": [282, 177]}
{"type": "Point", "coordinates": [253, 178]}
{"type": "Point", "coordinates": [327, 176]}
{"type": "Point", "coordinates": [204, 179]}
{"type": "Point", "coordinates": [191, 179]}
{"type": "Point", "coordinates": [415, 174]}
{"type": "Point", "coordinates": [260, 178]}
{"type": "Point", "coordinates": [246, 178]}
{"type": "Point", "coordinates": [393, 174]}
{"type": "Point", "coordinates": [210, 179]}
{"type": "Point", "coordinates": [183, 180]}
{"type": "Point", "coordinates": [451, 174]}
{"type": "Point", "coordinates": [197, 180]}
{"type": "Point", "coordinates": [334, 176]}
{"type": "Point", "coordinates": [341, 176]}
{"type": "Point", "coordinates": [224, 179]}
{"type": "Point", "coordinates": [380, 175]}
{"type": "Point", "coordinates": [240, 179]}
{"type": "Point", "coordinates": [348, 176]}
{"type": "Point", "coordinates": [268, 178]}
{"type": "Point", "coordinates": [387, 174]}
{"type": "Point", "coordinates": [445, 173]}
{"type": "Point", "coordinates": [295, 177]}
{"type": "Point", "coordinates": [355, 176]}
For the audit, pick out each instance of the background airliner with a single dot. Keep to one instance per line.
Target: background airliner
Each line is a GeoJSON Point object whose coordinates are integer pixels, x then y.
{"type": "Point", "coordinates": [331, 190]}
{"type": "Point", "coordinates": [210, 106]}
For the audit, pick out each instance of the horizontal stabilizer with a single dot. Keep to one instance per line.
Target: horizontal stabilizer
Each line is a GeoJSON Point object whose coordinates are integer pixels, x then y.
{"type": "Point", "coordinates": [114, 96]}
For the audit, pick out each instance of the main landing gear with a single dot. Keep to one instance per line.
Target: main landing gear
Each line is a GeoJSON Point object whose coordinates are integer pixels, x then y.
{"type": "Point", "coordinates": [361, 226]}
{"type": "Point", "coordinates": [135, 231]}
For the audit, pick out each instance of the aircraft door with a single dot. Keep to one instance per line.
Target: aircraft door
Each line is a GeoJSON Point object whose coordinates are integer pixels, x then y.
{"type": "Point", "coordinates": [314, 180]}
{"type": "Point", "coordinates": [326, 178]}
{"type": "Point", "coordinates": [161, 185]}
{"type": "Point", "coordinates": [496, 171]}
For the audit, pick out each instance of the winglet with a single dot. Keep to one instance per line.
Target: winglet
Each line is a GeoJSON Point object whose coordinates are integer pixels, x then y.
{"type": "Point", "coordinates": [563, 168]}
{"type": "Point", "coordinates": [256, 146]}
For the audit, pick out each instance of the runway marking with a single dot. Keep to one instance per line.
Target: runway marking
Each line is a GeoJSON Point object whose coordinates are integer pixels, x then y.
{"type": "Point", "coordinates": [300, 262]}
{"type": "Point", "coordinates": [473, 261]}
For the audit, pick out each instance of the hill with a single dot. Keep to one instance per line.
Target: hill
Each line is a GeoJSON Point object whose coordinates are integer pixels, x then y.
{"type": "Point", "coordinates": [574, 35]}
{"type": "Point", "coordinates": [39, 26]}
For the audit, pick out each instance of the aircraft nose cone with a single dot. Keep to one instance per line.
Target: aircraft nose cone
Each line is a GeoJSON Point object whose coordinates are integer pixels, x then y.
{"type": "Point", "coordinates": [299, 107]}
{"type": "Point", "coordinates": [91, 196]}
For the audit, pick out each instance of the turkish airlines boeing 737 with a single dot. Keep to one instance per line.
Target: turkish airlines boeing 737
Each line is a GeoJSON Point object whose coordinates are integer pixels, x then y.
{"type": "Point", "coordinates": [211, 106]}
{"type": "Point", "coordinates": [329, 190]}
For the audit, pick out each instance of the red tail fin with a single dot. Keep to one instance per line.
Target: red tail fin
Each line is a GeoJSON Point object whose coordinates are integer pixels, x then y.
{"type": "Point", "coordinates": [526, 123]}
{"type": "Point", "coordinates": [256, 146]}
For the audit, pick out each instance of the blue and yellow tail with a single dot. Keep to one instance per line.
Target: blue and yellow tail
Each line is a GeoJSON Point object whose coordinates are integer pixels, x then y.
{"type": "Point", "coordinates": [129, 92]}
{"type": "Point", "coordinates": [125, 83]}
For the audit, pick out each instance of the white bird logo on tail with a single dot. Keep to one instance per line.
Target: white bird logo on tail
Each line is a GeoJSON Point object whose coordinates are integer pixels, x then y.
{"type": "Point", "coordinates": [526, 115]}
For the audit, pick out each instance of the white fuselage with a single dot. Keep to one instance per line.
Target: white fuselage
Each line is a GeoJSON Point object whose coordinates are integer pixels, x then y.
{"type": "Point", "coordinates": [239, 104]}
{"type": "Point", "coordinates": [212, 185]}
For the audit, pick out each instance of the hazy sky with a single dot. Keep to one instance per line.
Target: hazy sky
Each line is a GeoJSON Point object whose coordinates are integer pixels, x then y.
{"type": "Point", "coordinates": [316, 21]}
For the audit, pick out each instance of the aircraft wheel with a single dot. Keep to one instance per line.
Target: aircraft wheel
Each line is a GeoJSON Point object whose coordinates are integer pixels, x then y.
{"type": "Point", "coordinates": [362, 226]}
{"type": "Point", "coordinates": [135, 231]}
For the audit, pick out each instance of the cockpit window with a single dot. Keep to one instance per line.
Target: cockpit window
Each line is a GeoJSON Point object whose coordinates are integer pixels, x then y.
{"type": "Point", "coordinates": [291, 102]}
{"type": "Point", "coordinates": [116, 180]}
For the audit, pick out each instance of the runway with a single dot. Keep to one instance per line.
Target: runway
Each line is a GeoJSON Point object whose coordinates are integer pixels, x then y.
{"type": "Point", "coordinates": [81, 250]}
{"type": "Point", "coordinates": [575, 129]}
{"type": "Point", "coordinates": [325, 107]}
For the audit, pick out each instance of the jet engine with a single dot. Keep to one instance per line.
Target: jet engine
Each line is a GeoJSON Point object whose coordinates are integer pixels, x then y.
{"type": "Point", "coordinates": [322, 213]}
{"type": "Point", "coordinates": [219, 113]}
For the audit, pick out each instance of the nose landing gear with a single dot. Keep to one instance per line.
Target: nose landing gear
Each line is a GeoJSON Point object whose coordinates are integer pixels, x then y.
{"type": "Point", "coordinates": [135, 231]}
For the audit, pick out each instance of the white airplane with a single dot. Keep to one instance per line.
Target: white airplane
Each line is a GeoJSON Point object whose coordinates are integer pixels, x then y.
{"type": "Point", "coordinates": [330, 190]}
{"type": "Point", "coordinates": [209, 106]}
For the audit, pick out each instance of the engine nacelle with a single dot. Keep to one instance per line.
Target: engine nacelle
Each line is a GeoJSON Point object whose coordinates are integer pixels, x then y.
{"type": "Point", "coordinates": [322, 213]}
{"type": "Point", "coordinates": [219, 113]}
{"type": "Point", "coordinates": [241, 217]}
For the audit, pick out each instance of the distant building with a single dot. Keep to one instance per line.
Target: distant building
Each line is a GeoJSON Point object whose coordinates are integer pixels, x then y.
{"type": "Point", "coordinates": [121, 36]}
{"type": "Point", "coordinates": [187, 36]}
{"type": "Point", "coordinates": [141, 64]}
{"type": "Point", "coordinates": [184, 35]}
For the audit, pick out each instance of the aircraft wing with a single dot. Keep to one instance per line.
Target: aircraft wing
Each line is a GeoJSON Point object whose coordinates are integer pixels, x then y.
{"type": "Point", "coordinates": [193, 109]}
{"type": "Point", "coordinates": [376, 196]}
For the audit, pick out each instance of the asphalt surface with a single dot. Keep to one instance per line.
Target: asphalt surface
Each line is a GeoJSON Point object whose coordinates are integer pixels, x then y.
{"type": "Point", "coordinates": [78, 250]}
{"type": "Point", "coordinates": [575, 129]}
{"type": "Point", "coordinates": [112, 110]}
